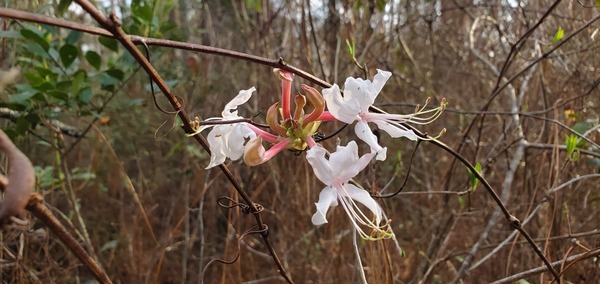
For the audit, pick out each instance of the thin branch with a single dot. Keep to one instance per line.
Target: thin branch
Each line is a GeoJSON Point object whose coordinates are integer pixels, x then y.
{"type": "Point", "coordinates": [541, 269]}
{"type": "Point", "coordinates": [37, 207]}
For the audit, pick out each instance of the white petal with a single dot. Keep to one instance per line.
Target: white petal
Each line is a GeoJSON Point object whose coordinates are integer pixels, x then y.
{"type": "Point", "coordinates": [345, 162]}
{"type": "Point", "coordinates": [358, 91]}
{"type": "Point", "coordinates": [217, 145]}
{"type": "Point", "coordinates": [341, 108]}
{"type": "Point", "coordinates": [363, 197]}
{"type": "Point", "coordinates": [344, 156]}
{"type": "Point", "coordinates": [230, 110]}
{"type": "Point", "coordinates": [395, 131]}
{"type": "Point", "coordinates": [320, 165]}
{"type": "Point", "coordinates": [327, 198]}
{"type": "Point", "coordinates": [235, 140]}
{"type": "Point", "coordinates": [363, 132]}
{"type": "Point", "coordinates": [364, 91]}
{"type": "Point", "coordinates": [379, 81]}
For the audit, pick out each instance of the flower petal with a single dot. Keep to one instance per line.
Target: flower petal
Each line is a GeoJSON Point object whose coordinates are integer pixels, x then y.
{"type": "Point", "coordinates": [345, 162]}
{"type": "Point", "coordinates": [341, 108]}
{"type": "Point", "coordinates": [217, 146]}
{"type": "Point", "coordinates": [363, 197]}
{"type": "Point", "coordinates": [236, 139]}
{"type": "Point", "coordinates": [327, 198]}
{"type": "Point", "coordinates": [379, 81]}
{"type": "Point", "coordinates": [227, 141]}
{"type": "Point", "coordinates": [395, 131]}
{"type": "Point", "coordinates": [316, 158]}
{"type": "Point", "coordinates": [364, 92]}
{"type": "Point", "coordinates": [230, 110]}
{"type": "Point", "coordinates": [363, 132]}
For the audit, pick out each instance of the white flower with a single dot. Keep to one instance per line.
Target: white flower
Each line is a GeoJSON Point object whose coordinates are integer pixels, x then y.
{"type": "Point", "coordinates": [335, 173]}
{"type": "Point", "coordinates": [359, 95]}
{"type": "Point", "coordinates": [227, 140]}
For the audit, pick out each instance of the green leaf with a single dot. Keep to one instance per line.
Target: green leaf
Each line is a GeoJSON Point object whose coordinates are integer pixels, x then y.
{"type": "Point", "coordinates": [64, 85]}
{"type": "Point", "coordinates": [110, 43]}
{"type": "Point", "coordinates": [571, 145]}
{"type": "Point", "coordinates": [34, 78]}
{"type": "Point", "coordinates": [36, 37]}
{"type": "Point", "coordinates": [473, 180]}
{"type": "Point", "coordinates": [77, 82]}
{"type": "Point", "coordinates": [59, 95]}
{"type": "Point", "coordinates": [558, 35]}
{"type": "Point", "coordinates": [73, 37]}
{"type": "Point", "coordinates": [116, 73]}
{"type": "Point", "coordinates": [68, 54]}
{"type": "Point", "coordinates": [94, 59]}
{"type": "Point", "coordinates": [24, 93]}
{"type": "Point", "coordinates": [85, 95]}
{"type": "Point", "coordinates": [10, 34]}
{"type": "Point", "coordinates": [350, 47]}
{"type": "Point", "coordinates": [62, 7]}
{"type": "Point", "coordinates": [36, 49]}
{"type": "Point", "coordinates": [142, 9]}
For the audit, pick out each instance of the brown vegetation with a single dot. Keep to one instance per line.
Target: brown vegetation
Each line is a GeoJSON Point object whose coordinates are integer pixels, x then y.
{"type": "Point", "coordinates": [135, 192]}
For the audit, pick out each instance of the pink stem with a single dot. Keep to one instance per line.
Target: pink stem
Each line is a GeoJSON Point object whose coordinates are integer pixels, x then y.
{"type": "Point", "coordinates": [282, 145]}
{"type": "Point", "coordinates": [310, 141]}
{"type": "Point", "coordinates": [326, 116]}
{"type": "Point", "coordinates": [265, 135]}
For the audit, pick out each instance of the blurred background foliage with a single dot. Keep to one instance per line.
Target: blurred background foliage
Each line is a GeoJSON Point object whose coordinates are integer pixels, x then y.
{"type": "Point", "coordinates": [123, 178]}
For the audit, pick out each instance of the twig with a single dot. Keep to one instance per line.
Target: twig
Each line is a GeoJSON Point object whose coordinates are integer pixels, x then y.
{"type": "Point", "coordinates": [37, 207]}
{"type": "Point", "coordinates": [541, 269]}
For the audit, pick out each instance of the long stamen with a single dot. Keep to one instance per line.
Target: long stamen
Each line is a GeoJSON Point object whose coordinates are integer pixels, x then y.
{"type": "Point", "coordinates": [357, 215]}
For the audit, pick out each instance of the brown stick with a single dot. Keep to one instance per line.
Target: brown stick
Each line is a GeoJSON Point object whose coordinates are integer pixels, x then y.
{"type": "Point", "coordinates": [20, 183]}
{"type": "Point", "coordinates": [37, 207]}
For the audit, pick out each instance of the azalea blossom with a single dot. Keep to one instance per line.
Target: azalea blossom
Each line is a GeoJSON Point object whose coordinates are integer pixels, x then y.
{"type": "Point", "coordinates": [227, 140]}
{"type": "Point", "coordinates": [359, 96]}
{"type": "Point", "coordinates": [335, 173]}
{"type": "Point", "coordinates": [294, 130]}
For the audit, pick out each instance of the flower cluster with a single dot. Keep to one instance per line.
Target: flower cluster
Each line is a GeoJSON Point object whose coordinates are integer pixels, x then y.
{"type": "Point", "coordinates": [233, 137]}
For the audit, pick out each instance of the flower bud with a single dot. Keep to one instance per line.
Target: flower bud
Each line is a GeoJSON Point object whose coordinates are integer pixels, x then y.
{"type": "Point", "coordinates": [254, 152]}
